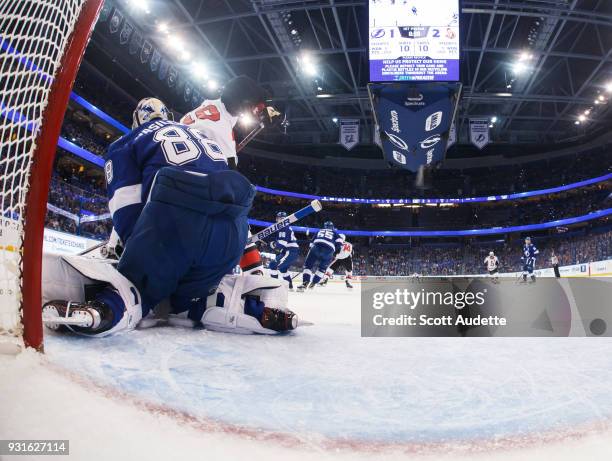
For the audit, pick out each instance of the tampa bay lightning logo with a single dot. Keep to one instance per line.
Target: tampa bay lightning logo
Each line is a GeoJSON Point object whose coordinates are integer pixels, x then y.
{"type": "Point", "coordinates": [396, 141]}
{"type": "Point", "coordinates": [377, 33]}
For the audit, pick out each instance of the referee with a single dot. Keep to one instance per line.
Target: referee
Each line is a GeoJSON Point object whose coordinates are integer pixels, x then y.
{"type": "Point", "coordinates": [555, 264]}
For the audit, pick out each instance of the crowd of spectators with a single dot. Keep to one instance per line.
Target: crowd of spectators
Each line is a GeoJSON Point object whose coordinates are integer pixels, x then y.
{"type": "Point", "coordinates": [84, 137]}
{"type": "Point", "coordinates": [464, 258]}
{"type": "Point", "coordinates": [348, 182]}
{"type": "Point", "coordinates": [468, 216]}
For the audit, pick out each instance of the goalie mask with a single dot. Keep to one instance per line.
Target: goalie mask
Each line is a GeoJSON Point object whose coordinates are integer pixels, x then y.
{"type": "Point", "coordinates": [149, 109]}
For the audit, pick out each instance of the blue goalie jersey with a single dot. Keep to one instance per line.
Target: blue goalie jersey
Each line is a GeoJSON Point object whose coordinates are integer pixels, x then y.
{"type": "Point", "coordinates": [133, 161]}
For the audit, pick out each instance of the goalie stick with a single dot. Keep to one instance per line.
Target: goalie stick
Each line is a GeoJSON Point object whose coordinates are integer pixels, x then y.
{"type": "Point", "coordinates": [314, 207]}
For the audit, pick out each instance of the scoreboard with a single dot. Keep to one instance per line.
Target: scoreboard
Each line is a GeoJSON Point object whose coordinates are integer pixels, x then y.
{"type": "Point", "coordinates": [413, 40]}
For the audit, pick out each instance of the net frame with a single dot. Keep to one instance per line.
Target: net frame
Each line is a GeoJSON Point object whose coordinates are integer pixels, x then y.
{"type": "Point", "coordinates": [39, 135]}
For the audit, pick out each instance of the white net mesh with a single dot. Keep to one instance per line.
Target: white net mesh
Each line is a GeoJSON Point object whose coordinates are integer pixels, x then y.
{"type": "Point", "coordinates": [33, 37]}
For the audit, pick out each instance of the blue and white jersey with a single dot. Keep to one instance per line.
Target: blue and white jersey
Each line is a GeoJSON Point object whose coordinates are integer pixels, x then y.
{"type": "Point", "coordinates": [530, 251]}
{"type": "Point", "coordinates": [133, 161]}
{"type": "Point", "coordinates": [330, 238]}
{"type": "Point", "coordinates": [284, 239]}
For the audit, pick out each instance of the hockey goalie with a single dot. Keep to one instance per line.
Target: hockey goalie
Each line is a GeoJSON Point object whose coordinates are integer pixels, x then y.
{"type": "Point", "coordinates": [180, 215]}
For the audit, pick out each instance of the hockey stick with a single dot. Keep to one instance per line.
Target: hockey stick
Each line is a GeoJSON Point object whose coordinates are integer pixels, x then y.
{"type": "Point", "coordinates": [314, 207]}
{"type": "Point", "coordinates": [249, 137]}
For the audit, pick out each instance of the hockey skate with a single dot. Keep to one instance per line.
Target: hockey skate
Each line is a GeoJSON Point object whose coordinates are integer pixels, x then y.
{"type": "Point", "coordinates": [348, 284]}
{"type": "Point", "coordinates": [278, 319]}
{"type": "Point", "coordinates": [301, 288]}
{"type": "Point", "coordinates": [89, 317]}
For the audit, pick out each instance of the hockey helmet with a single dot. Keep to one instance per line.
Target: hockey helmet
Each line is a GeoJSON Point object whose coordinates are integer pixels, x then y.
{"type": "Point", "coordinates": [149, 109]}
{"type": "Point", "coordinates": [328, 225]}
{"type": "Point", "coordinates": [280, 216]}
{"type": "Point", "coordinates": [527, 239]}
{"type": "Point", "coordinates": [243, 94]}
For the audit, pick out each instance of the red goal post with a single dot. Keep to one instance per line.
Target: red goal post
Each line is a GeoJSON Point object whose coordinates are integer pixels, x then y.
{"type": "Point", "coordinates": [43, 42]}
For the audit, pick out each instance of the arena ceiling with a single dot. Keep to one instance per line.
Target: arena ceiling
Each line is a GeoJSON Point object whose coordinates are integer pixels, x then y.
{"type": "Point", "coordinates": [541, 67]}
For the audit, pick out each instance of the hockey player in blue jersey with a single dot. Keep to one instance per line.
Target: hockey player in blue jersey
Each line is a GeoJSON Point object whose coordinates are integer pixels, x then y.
{"type": "Point", "coordinates": [324, 245]}
{"type": "Point", "coordinates": [529, 259]}
{"type": "Point", "coordinates": [287, 251]}
{"type": "Point", "coordinates": [181, 215]}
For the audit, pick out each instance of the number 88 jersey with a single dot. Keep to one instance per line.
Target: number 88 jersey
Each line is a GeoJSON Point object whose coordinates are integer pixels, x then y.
{"type": "Point", "coordinates": [133, 161]}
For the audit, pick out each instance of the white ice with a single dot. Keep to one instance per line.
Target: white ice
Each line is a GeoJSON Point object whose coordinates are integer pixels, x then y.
{"type": "Point", "coordinates": [321, 392]}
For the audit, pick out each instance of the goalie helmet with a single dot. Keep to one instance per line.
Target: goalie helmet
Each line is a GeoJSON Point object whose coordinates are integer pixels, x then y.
{"type": "Point", "coordinates": [243, 94]}
{"type": "Point", "coordinates": [149, 109]}
{"type": "Point", "coordinates": [491, 253]}
{"type": "Point", "coordinates": [328, 225]}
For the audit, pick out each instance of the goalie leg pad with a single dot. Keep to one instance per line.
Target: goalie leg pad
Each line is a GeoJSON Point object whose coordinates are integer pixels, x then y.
{"type": "Point", "coordinates": [103, 271]}
{"type": "Point", "coordinates": [239, 298]}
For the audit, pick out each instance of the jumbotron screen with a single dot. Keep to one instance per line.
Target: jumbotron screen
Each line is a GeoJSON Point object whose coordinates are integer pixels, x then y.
{"type": "Point", "coordinates": [414, 40]}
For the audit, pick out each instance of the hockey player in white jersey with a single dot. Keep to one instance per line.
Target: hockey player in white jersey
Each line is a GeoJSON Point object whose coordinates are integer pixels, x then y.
{"type": "Point", "coordinates": [216, 119]}
{"type": "Point", "coordinates": [492, 264]}
{"type": "Point", "coordinates": [343, 260]}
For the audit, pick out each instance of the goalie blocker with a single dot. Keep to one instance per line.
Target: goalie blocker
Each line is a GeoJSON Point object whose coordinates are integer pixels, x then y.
{"type": "Point", "coordinates": [242, 304]}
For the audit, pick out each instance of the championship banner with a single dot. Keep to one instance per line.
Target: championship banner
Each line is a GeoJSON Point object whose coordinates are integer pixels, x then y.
{"type": "Point", "coordinates": [452, 135]}
{"type": "Point", "coordinates": [479, 133]}
{"type": "Point", "coordinates": [482, 307]}
{"type": "Point", "coordinates": [414, 121]}
{"type": "Point", "coordinates": [349, 133]}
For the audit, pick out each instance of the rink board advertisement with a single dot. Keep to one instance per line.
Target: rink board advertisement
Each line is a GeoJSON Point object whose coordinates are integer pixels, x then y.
{"type": "Point", "coordinates": [414, 41]}
{"type": "Point", "coordinates": [479, 307]}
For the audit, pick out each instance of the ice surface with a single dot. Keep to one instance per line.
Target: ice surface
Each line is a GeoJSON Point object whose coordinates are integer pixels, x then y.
{"type": "Point", "coordinates": [325, 383]}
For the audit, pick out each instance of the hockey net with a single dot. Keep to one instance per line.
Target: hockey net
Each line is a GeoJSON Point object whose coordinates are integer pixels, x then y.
{"type": "Point", "coordinates": [41, 45]}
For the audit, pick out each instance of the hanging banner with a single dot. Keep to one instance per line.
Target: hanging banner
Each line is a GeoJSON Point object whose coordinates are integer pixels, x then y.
{"type": "Point", "coordinates": [349, 133]}
{"type": "Point", "coordinates": [452, 136]}
{"type": "Point", "coordinates": [479, 133]}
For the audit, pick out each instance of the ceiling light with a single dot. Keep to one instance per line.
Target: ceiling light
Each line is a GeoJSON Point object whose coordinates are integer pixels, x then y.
{"type": "Point", "coordinates": [294, 32]}
{"type": "Point", "coordinates": [185, 55]}
{"type": "Point", "coordinates": [494, 119]}
{"type": "Point", "coordinates": [609, 87]}
{"type": "Point", "coordinates": [601, 97]}
{"type": "Point", "coordinates": [212, 85]}
{"type": "Point", "coordinates": [324, 95]}
{"type": "Point", "coordinates": [175, 42]}
{"type": "Point", "coordinates": [199, 70]}
{"type": "Point", "coordinates": [491, 125]}
{"type": "Point", "coordinates": [246, 119]}
{"type": "Point", "coordinates": [587, 112]}
{"type": "Point", "coordinates": [519, 68]}
{"type": "Point", "coordinates": [335, 119]}
{"type": "Point", "coordinates": [577, 122]}
{"type": "Point", "coordinates": [596, 102]}
{"type": "Point", "coordinates": [162, 27]}
{"type": "Point", "coordinates": [582, 118]}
